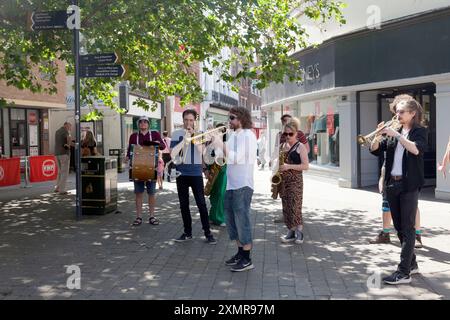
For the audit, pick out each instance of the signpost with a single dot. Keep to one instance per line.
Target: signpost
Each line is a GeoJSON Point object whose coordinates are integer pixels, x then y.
{"type": "Point", "coordinates": [103, 71]}
{"type": "Point", "coordinates": [86, 66]}
{"type": "Point", "coordinates": [101, 58]}
{"type": "Point", "coordinates": [46, 20]}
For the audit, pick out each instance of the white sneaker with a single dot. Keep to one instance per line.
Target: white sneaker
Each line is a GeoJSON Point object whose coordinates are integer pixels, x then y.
{"type": "Point", "coordinates": [299, 237]}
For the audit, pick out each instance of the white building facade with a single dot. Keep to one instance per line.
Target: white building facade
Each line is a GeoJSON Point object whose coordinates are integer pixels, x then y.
{"type": "Point", "coordinates": [352, 75]}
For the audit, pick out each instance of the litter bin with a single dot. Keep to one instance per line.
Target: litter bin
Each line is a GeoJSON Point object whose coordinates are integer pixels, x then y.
{"type": "Point", "coordinates": [99, 184]}
{"type": "Point", "coordinates": [120, 157]}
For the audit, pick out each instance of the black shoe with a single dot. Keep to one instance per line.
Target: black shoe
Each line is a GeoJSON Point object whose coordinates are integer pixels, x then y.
{"type": "Point", "coordinates": [397, 278]}
{"type": "Point", "coordinates": [233, 260]}
{"type": "Point", "coordinates": [210, 239]}
{"type": "Point", "coordinates": [414, 269]}
{"type": "Point", "coordinates": [184, 237]}
{"type": "Point", "coordinates": [242, 265]}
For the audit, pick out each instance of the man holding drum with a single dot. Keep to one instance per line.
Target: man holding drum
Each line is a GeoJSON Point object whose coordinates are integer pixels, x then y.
{"type": "Point", "coordinates": [144, 138]}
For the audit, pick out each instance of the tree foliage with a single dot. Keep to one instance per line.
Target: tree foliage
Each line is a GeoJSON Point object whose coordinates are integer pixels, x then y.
{"type": "Point", "coordinates": [160, 40]}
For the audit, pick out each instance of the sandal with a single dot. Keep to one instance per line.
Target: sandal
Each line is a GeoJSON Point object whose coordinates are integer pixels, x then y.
{"type": "Point", "coordinates": [137, 222]}
{"type": "Point", "coordinates": [153, 221]}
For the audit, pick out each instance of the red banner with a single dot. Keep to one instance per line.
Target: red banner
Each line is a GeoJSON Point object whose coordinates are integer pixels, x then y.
{"type": "Point", "coordinates": [9, 172]}
{"type": "Point", "coordinates": [43, 168]}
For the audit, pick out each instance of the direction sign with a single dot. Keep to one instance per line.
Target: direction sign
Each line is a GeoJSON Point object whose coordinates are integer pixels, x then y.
{"type": "Point", "coordinates": [103, 71]}
{"type": "Point", "coordinates": [46, 20]}
{"type": "Point", "coordinates": [101, 58]}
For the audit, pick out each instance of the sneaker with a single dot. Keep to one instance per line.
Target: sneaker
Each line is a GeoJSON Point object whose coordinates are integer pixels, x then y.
{"type": "Point", "coordinates": [397, 278]}
{"type": "Point", "coordinates": [210, 239]}
{"type": "Point", "coordinates": [289, 237]}
{"type": "Point", "coordinates": [414, 270]}
{"type": "Point", "coordinates": [418, 244]}
{"type": "Point", "coordinates": [184, 237]}
{"type": "Point", "coordinates": [233, 260]}
{"type": "Point", "coordinates": [299, 237]}
{"type": "Point", "coordinates": [382, 237]}
{"type": "Point", "coordinates": [242, 265]}
{"type": "Point", "coordinates": [223, 224]}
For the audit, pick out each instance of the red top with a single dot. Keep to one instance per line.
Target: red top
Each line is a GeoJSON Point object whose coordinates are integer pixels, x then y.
{"type": "Point", "coordinates": [145, 139]}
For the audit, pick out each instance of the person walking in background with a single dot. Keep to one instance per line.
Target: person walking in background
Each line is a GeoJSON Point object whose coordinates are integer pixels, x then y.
{"type": "Point", "coordinates": [63, 141]}
{"type": "Point", "coordinates": [166, 153]}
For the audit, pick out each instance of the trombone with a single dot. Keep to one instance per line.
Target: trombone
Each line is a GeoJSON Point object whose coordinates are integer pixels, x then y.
{"type": "Point", "coordinates": [205, 136]}
{"type": "Point", "coordinates": [369, 138]}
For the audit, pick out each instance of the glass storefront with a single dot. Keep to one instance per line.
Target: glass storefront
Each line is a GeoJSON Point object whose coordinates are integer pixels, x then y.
{"type": "Point", "coordinates": [319, 120]}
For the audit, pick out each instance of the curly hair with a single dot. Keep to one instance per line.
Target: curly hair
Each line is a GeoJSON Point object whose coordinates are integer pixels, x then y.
{"type": "Point", "coordinates": [397, 99]}
{"type": "Point", "coordinates": [243, 116]}
{"type": "Point", "coordinates": [412, 105]}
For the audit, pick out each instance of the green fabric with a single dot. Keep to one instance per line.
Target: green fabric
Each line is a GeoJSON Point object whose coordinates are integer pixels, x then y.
{"type": "Point", "coordinates": [217, 196]}
{"type": "Point", "coordinates": [419, 231]}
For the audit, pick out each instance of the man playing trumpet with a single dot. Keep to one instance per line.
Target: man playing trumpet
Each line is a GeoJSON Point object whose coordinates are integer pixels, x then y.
{"type": "Point", "coordinates": [404, 178]}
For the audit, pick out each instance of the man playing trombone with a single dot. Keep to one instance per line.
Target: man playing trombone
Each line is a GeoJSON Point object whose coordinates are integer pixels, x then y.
{"type": "Point", "coordinates": [404, 177]}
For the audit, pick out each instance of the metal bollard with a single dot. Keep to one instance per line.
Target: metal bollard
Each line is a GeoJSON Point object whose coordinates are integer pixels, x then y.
{"type": "Point", "coordinates": [27, 178]}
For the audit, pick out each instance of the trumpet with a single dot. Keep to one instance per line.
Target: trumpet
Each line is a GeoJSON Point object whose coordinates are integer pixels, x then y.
{"type": "Point", "coordinates": [369, 138]}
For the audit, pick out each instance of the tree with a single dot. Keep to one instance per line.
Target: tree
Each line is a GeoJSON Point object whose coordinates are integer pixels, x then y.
{"type": "Point", "coordinates": [159, 40]}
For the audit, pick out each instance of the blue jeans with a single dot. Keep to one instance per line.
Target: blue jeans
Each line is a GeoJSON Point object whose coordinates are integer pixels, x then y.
{"type": "Point", "coordinates": [237, 214]}
{"type": "Point", "coordinates": [139, 187]}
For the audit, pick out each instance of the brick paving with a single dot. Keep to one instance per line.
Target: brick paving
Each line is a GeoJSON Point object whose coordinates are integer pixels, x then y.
{"type": "Point", "coordinates": [39, 239]}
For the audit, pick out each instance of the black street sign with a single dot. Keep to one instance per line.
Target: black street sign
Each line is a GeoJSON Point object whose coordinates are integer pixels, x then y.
{"type": "Point", "coordinates": [102, 71]}
{"type": "Point", "coordinates": [46, 20]}
{"type": "Point", "coordinates": [101, 58]}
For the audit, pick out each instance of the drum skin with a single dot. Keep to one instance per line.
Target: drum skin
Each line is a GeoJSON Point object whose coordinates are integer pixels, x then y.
{"type": "Point", "coordinates": [144, 162]}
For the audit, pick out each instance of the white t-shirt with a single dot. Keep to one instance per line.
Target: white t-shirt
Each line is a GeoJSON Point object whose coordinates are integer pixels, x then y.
{"type": "Point", "coordinates": [397, 167]}
{"type": "Point", "coordinates": [241, 158]}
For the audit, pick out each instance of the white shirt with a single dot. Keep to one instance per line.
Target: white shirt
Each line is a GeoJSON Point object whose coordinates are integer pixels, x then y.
{"type": "Point", "coordinates": [241, 158]}
{"type": "Point", "coordinates": [397, 167]}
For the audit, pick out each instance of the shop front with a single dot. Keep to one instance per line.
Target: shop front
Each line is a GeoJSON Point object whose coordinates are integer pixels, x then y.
{"type": "Point", "coordinates": [348, 84]}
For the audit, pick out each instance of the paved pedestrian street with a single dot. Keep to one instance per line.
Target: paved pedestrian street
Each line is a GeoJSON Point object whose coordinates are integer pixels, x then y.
{"type": "Point", "coordinates": [40, 239]}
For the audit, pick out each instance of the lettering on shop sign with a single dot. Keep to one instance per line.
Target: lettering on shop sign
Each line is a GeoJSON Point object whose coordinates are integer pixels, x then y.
{"type": "Point", "coordinates": [310, 73]}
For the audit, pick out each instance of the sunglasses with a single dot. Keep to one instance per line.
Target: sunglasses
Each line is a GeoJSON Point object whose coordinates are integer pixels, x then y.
{"type": "Point", "coordinates": [232, 117]}
{"type": "Point", "coordinates": [290, 134]}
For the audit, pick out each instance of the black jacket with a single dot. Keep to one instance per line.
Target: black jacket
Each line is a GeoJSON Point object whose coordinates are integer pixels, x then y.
{"type": "Point", "coordinates": [412, 166]}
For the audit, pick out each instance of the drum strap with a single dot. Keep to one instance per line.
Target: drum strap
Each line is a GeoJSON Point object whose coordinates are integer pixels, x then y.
{"type": "Point", "coordinates": [137, 139]}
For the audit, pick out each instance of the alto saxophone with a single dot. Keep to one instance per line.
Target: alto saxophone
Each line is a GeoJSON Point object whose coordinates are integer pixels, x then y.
{"type": "Point", "coordinates": [276, 178]}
